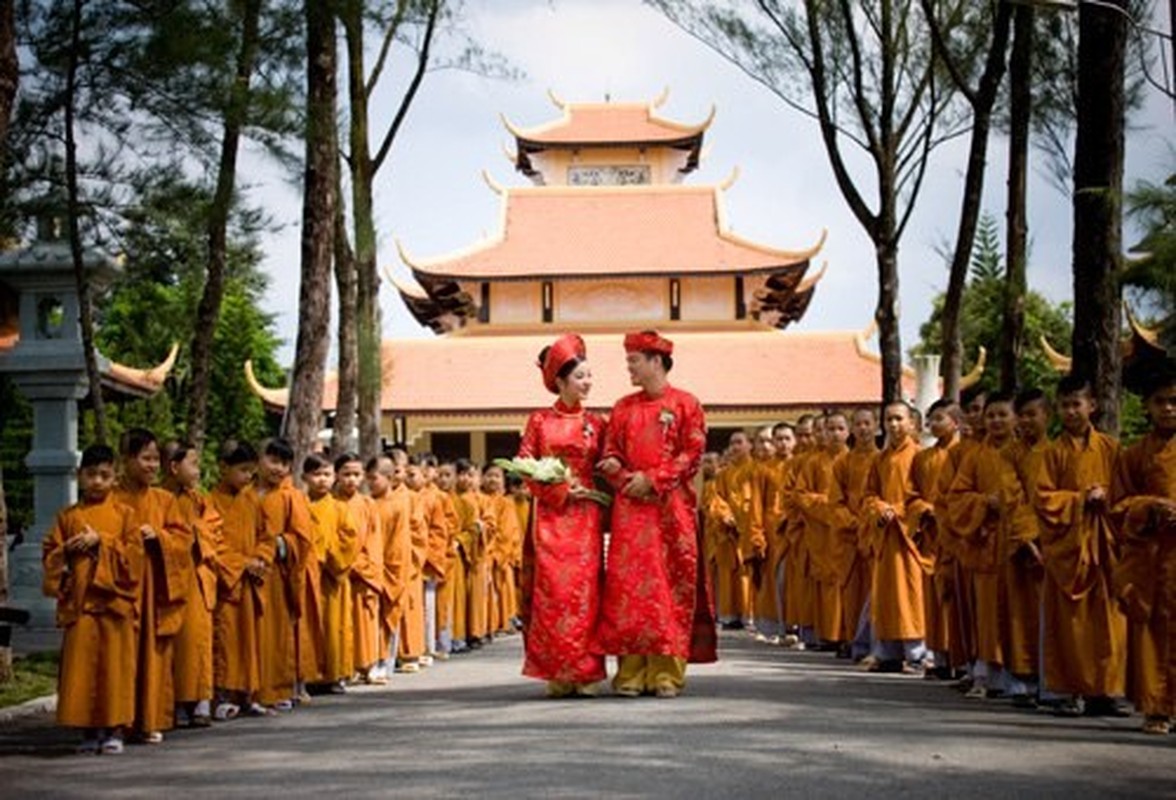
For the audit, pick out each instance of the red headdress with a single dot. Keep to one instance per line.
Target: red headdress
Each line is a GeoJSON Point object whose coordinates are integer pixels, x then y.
{"type": "Point", "coordinates": [646, 341]}
{"type": "Point", "coordinates": [566, 348]}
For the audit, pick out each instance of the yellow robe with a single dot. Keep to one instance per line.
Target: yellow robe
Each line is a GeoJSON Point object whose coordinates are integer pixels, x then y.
{"type": "Point", "coordinates": [507, 559]}
{"type": "Point", "coordinates": [337, 543]}
{"type": "Point", "coordinates": [236, 647]}
{"type": "Point", "coordinates": [412, 620]}
{"type": "Point", "coordinates": [466, 542]}
{"type": "Point", "coordinates": [193, 649]}
{"type": "Point", "coordinates": [852, 568]}
{"type": "Point", "coordinates": [938, 596]}
{"type": "Point", "coordinates": [97, 593]}
{"type": "Point", "coordinates": [453, 578]}
{"type": "Point", "coordinates": [953, 577]}
{"type": "Point", "coordinates": [740, 557]}
{"type": "Point", "coordinates": [1085, 631]}
{"type": "Point", "coordinates": [896, 599]}
{"type": "Point", "coordinates": [289, 590]}
{"type": "Point", "coordinates": [367, 581]}
{"type": "Point", "coordinates": [166, 584]}
{"type": "Point", "coordinates": [768, 603]}
{"type": "Point", "coordinates": [821, 542]}
{"type": "Point", "coordinates": [1145, 579]}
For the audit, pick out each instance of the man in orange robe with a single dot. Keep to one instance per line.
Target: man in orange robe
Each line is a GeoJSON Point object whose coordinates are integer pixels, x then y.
{"type": "Point", "coordinates": [797, 597]}
{"type": "Point", "coordinates": [245, 565]}
{"type": "Point", "coordinates": [93, 564]}
{"type": "Point", "coordinates": [776, 472]}
{"type": "Point", "coordinates": [896, 597]}
{"type": "Point", "coordinates": [739, 489]}
{"type": "Point", "coordinates": [393, 513]}
{"type": "Point", "coordinates": [505, 547]}
{"type": "Point", "coordinates": [1085, 631]}
{"type": "Point", "coordinates": [943, 419]}
{"type": "Point", "coordinates": [166, 584]}
{"type": "Point", "coordinates": [852, 565]}
{"type": "Point", "coordinates": [813, 501]}
{"type": "Point", "coordinates": [1145, 498]}
{"type": "Point", "coordinates": [713, 513]}
{"type": "Point", "coordinates": [471, 540]}
{"type": "Point", "coordinates": [286, 517]}
{"type": "Point", "coordinates": [366, 576]}
{"type": "Point", "coordinates": [193, 649]}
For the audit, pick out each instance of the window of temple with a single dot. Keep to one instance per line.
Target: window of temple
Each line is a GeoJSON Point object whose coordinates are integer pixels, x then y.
{"type": "Point", "coordinates": [608, 175]}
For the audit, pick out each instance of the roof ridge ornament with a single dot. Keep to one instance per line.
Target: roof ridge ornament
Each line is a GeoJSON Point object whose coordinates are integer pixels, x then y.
{"type": "Point", "coordinates": [729, 181]}
{"type": "Point", "coordinates": [660, 100]}
{"type": "Point", "coordinates": [556, 100]}
{"type": "Point", "coordinates": [494, 185]}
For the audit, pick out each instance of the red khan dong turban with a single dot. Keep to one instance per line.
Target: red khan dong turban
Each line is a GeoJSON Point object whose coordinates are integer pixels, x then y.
{"type": "Point", "coordinates": [567, 347]}
{"type": "Point", "coordinates": [648, 341]}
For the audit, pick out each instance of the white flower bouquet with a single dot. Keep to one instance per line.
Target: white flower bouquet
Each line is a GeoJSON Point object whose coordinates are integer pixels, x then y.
{"type": "Point", "coordinates": [548, 470]}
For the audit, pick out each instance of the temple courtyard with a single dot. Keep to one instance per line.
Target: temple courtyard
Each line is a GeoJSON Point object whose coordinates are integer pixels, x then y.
{"type": "Point", "coordinates": [761, 723]}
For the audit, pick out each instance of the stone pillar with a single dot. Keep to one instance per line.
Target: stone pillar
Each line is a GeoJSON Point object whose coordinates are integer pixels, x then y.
{"type": "Point", "coordinates": [48, 366]}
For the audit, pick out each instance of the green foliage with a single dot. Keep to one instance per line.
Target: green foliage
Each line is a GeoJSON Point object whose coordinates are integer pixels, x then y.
{"type": "Point", "coordinates": [34, 676]}
{"type": "Point", "coordinates": [16, 439]}
{"type": "Point", "coordinates": [982, 317]}
{"type": "Point", "coordinates": [1153, 207]}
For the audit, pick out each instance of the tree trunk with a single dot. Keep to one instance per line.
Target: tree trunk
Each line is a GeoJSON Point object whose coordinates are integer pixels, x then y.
{"type": "Point", "coordinates": [1098, 203]}
{"type": "Point", "coordinates": [9, 71]}
{"type": "Point", "coordinates": [886, 316]}
{"type": "Point", "coordinates": [73, 210]}
{"type": "Point", "coordinates": [982, 100]}
{"type": "Point", "coordinates": [367, 318]}
{"type": "Point", "coordinates": [342, 438]}
{"type": "Point", "coordinates": [1017, 216]}
{"type": "Point", "coordinates": [5, 652]}
{"type": "Point", "coordinates": [208, 310]}
{"type": "Point", "coordinates": [304, 413]}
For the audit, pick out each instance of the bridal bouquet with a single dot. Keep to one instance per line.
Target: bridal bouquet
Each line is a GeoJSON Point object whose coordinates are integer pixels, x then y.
{"type": "Point", "coordinates": [547, 470]}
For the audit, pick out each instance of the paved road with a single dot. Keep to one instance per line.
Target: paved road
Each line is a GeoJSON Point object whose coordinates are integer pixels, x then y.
{"type": "Point", "coordinates": [762, 723]}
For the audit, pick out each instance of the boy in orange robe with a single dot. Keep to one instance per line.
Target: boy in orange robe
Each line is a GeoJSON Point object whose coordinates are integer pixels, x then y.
{"type": "Point", "coordinates": [452, 583]}
{"type": "Point", "coordinates": [896, 596]}
{"type": "Point", "coordinates": [414, 626]}
{"type": "Point", "coordinates": [503, 548]}
{"type": "Point", "coordinates": [384, 476]}
{"type": "Point", "coordinates": [366, 576]}
{"type": "Point", "coordinates": [245, 565]}
{"type": "Point", "coordinates": [1145, 497]}
{"type": "Point", "coordinates": [823, 547]}
{"type": "Point", "coordinates": [1085, 631]}
{"type": "Point", "coordinates": [286, 517]}
{"type": "Point", "coordinates": [938, 585]}
{"type": "Point", "coordinates": [797, 598]}
{"type": "Point", "coordinates": [93, 564]}
{"type": "Point", "coordinates": [167, 580]}
{"type": "Point", "coordinates": [471, 547]}
{"type": "Point", "coordinates": [732, 553]}
{"type": "Point", "coordinates": [193, 649]}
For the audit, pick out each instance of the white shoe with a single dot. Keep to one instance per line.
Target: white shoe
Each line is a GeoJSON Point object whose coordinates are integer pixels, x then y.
{"type": "Point", "coordinates": [425, 661]}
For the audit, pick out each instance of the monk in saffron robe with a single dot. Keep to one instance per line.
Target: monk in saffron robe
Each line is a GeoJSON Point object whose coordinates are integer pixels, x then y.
{"type": "Point", "coordinates": [768, 601]}
{"type": "Point", "coordinates": [896, 598]}
{"type": "Point", "coordinates": [167, 580]}
{"type": "Point", "coordinates": [798, 611]}
{"type": "Point", "coordinates": [330, 646]}
{"type": "Point", "coordinates": [471, 538]}
{"type": "Point", "coordinates": [93, 563]}
{"type": "Point", "coordinates": [654, 442]}
{"type": "Point", "coordinates": [440, 530]}
{"type": "Point", "coordinates": [851, 568]}
{"type": "Point", "coordinates": [366, 576]}
{"type": "Point", "coordinates": [1085, 631]}
{"type": "Point", "coordinates": [714, 516]}
{"type": "Point", "coordinates": [938, 585]}
{"type": "Point", "coordinates": [286, 517]}
{"type": "Point", "coordinates": [245, 565]}
{"type": "Point", "coordinates": [504, 550]}
{"type": "Point", "coordinates": [453, 579]}
{"type": "Point", "coordinates": [193, 650]}
{"type": "Point", "coordinates": [1144, 495]}
{"type": "Point", "coordinates": [740, 554]}
{"type": "Point", "coordinates": [393, 518]}
{"type": "Point", "coordinates": [412, 621]}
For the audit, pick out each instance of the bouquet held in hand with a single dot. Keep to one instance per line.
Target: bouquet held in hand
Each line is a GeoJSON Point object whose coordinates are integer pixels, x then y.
{"type": "Point", "coordinates": [548, 470]}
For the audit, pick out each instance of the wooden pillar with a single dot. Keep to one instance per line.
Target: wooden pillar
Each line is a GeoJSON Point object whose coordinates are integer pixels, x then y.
{"type": "Point", "coordinates": [478, 447]}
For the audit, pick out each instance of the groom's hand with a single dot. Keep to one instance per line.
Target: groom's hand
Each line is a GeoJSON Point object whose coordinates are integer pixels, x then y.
{"type": "Point", "coordinates": [638, 486]}
{"type": "Point", "coordinates": [609, 466]}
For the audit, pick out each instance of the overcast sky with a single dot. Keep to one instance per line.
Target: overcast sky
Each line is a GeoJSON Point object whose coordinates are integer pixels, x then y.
{"type": "Point", "coordinates": [430, 194]}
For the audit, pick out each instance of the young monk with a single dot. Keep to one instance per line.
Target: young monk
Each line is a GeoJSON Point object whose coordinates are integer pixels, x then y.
{"type": "Point", "coordinates": [93, 562]}
{"type": "Point", "coordinates": [1086, 634]}
{"type": "Point", "coordinates": [504, 549]}
{"type": "Point", "coordinates": [844, 513]}
{"type": "Point", "coordinates": [1145, 499]}
{"type": "Point", "coordinates": [739, 492]}
{"type": "Point", "coordinates": [167, 580]}
{"type": "Point", "coordinates": [471, 551]}
{"type": "Point", "coordinates": [193, 649]}
{"type": "Point", "coordinates": [366, 576]}
{"type": "Point", "coordinates": [896, 597]}
{"type": "Point", "coordinates": [393, 514]}
{"type": "Point", "coordinates": [943, 418]}
{"type": "Point", "coordinates": [453, 580]}
{"type": "Point", "coordinates": [813, 502]}
{"type": "Point", "coordinates": [286, 517]}
{"type": "Point", "coordinates": [798, 596]}
{"type": "Point", "coordinates": [246, 561]}
{"type": "Point", "coordinates": [436, 548]}
{"type": "Point", "coordinates": [413, 624]}
{"type": "Point", "coordinates": [336, 542]}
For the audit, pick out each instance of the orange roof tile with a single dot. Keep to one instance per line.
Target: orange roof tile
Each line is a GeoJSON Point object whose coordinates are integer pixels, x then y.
{"type": "Point", "coordinates": [747, 369]}
{"type": "Point", "coordinates": [609, 230]}
{"type": "Point", "coordinates": [603, 124]}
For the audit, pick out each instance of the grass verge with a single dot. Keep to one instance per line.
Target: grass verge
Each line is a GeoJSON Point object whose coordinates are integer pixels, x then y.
{"type": "Point", "coordinates": [35, 675]}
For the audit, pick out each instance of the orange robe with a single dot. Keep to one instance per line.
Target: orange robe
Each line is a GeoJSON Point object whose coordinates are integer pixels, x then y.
{"type": "Point", "coordinates": [336, 543]}
{"type": "Point", "coordinates": [97, 593]}
{"type": "Point", "coordinates": [467, 624]}
{"type": "Point", "coordinates": [1085, 631]}
{"type": "Point", "coordinates": [453, 576]}
{"type": "Point", "coordinates": [412, 620]}
{"type": "Point", "coordinates": [953, 577]}
{"type": "Point", "coordinates": [507, 552]}
{"type": "Point", "coordinates": [366, 578]}
{"type": "Point", "coordinates": [741, 556]}
{"type": "Point", "coordinates": [193, 651]}
{"type": "Point", "coordinates": [769, 605]}
{"type": "Point", "coordinates": [1145, 578]}
{"type": "Point", "coordinates": [798, 598]}
{"type": "Point", "coordinates": [850, 564]}
{"type": "Point", "coordinates": [812, 499]}
{"type": "Point", "coordinates": [896, 598]}
{"type": "Point", "coordinates": [926, 471]}
{"type": "Point", "coordinates": [286, 514]}
{"type": "Point", "coordinates": [236, 654]}
{"type": "Point", "coordinates": [394, 515]}
{"type": "Point", "coordinates": [166, 584]}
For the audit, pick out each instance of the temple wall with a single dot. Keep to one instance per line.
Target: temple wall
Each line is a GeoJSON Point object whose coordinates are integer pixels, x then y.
{"type": "Point", "coordinates": [596, 301]}
{"type": "Point", "coordinates": [663, 163]}
{"type": "Point", "coordinates": [516, 302]}
{"type": "Point", "coordinates": [707, 299]}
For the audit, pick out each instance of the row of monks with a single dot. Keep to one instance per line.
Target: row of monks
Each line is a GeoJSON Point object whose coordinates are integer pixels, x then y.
{"type": "Point", "coordinates": [1034, 568]}
{"type": "Point", "coordinates": [180, 606]}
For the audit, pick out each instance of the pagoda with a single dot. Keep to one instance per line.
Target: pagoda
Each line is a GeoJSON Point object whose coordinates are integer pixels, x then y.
{"type": "Point", "coordinates": [607, 237]}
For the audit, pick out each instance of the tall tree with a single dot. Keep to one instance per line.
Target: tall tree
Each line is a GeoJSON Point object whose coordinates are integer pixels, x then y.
{"type": "Point", "coordinates": [1017, 206]}
{"type": "Point", "coordinates": [9, 80]}
{"type": "Point", "coordinates": [865, 72]}
{"type": "Point", "coordinates": [346, 279]}
{"type": "Point", "coordinates": [959, 60]}
{"type": "Point", "coordinates": [1098, 201]}
{"type": "Point", "coordinates": [236, 111]}
{"type": "Point", "coordinates": [320, 184]}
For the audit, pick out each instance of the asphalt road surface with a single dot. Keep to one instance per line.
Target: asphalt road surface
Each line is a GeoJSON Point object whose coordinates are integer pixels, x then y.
{"type": "Point", "coordinates": [760, 723]}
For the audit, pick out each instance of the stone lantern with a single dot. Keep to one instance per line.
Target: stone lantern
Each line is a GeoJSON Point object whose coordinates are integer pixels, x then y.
{"type": "Point", "coordinates": [48, 365]}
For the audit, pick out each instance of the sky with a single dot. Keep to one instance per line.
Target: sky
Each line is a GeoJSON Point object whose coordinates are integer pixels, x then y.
{"type": "Point", "coordinates": [431, 197]}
